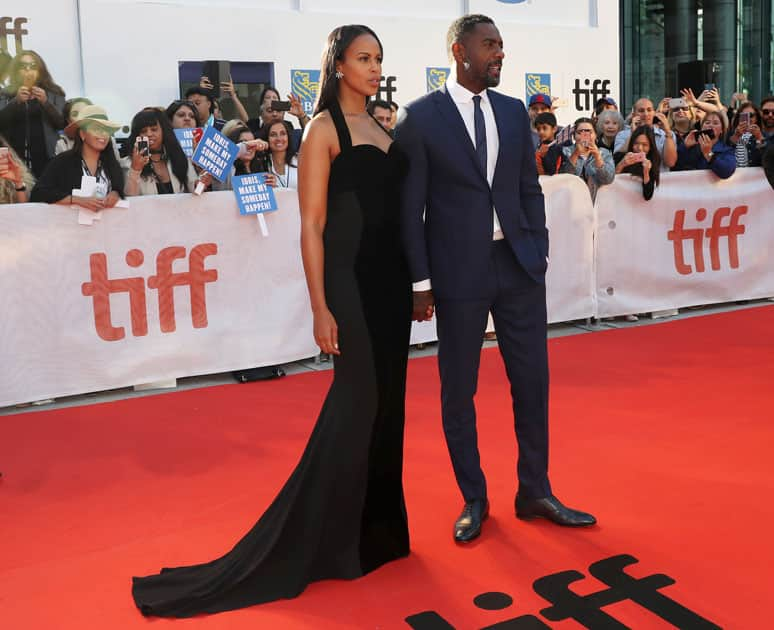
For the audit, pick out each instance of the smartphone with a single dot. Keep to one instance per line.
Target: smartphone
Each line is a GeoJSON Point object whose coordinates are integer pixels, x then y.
{"type": "Point", "coordinates": [675, 103]}
{"type": "Point", "coordinates": [280, 106]}
{"type": "Point", "coordinates": [143, 147]}
{"type": "Point", "coordinates": [709, 86]}
{"type": "Point", "coordinates": [639, 157]}
{"type": "Point", "coordinates": [744, 117]}
{"type": "Point", "coordinates": [709, 133]}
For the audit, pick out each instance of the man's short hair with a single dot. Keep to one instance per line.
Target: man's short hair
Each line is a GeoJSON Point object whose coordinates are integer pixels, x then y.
{"type": "Point", "coordinates": [372, 105]}
{"type": "Point", "coordinates": [545, 118]}
{"type": "Point", "coordinates": [462, 26]}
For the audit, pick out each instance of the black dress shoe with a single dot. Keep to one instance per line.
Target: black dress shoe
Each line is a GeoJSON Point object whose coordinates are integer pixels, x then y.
{"type": "Point", "coordinates": [552, 509]}
{"type": "Point", "coordinates": [468, 525]}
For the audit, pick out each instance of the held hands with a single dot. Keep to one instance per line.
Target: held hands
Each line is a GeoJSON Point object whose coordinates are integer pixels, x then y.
{"type": "Point", "coordinates": [39, 94]}
{"type": "Point", "coordinates": [755, 130]}
{"type": "Point", "coordinates": [635, 122]}
{"type": "Point", "coordinates": [326, 332]}
{"type": "Point", "coordinates": [205, 83]}
{"type": "Point", "coordinates": [95, 204]}
{"type": "Point", "coordinates": [112, 199]}
{"type": "Point", "coordinates": [424, 306]}
{"type": "Point", "coordinates": [690, 140]}
{"type": "Point", "coordinates": [270, 180]}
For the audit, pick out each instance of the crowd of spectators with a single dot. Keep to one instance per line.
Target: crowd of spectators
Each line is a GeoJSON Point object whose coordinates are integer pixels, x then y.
{"type": "Point", "coordinates": [48, 143]}
{"type": "Point", "coordinates": [680, 134]}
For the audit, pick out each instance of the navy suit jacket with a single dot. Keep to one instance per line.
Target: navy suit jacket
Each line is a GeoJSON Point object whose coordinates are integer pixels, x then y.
{"type": "Point", "coordinates": [446, 185]}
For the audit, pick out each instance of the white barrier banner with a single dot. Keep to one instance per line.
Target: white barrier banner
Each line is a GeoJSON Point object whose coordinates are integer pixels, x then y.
{"type": "Point", "coordinates": [174, 286]}
{"type": "Point", "coordinates": [700, 240]}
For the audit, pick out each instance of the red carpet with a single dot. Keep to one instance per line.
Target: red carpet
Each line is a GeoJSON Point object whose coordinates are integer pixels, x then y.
{"type": "Point", "coordinates": [664, 432]}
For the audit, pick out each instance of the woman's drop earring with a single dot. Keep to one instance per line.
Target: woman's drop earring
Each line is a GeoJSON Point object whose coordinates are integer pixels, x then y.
{"type": "Point", "coordinates": [339, 74]}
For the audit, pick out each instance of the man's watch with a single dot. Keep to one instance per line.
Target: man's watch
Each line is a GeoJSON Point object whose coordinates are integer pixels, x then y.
{"type": "Point", "coordinates": [710, 155]}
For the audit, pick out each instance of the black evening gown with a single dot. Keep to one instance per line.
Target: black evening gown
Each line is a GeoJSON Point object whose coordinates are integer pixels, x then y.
{"type": "Point", "coordinates": [341, 514]}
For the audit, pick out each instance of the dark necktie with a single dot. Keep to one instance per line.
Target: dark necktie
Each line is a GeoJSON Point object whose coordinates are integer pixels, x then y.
{"type": "Point", "coordinates": [480, 130]}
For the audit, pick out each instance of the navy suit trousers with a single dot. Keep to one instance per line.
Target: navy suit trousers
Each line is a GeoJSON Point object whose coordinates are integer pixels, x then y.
{"type": "Point", "coordinates": [518, 306]}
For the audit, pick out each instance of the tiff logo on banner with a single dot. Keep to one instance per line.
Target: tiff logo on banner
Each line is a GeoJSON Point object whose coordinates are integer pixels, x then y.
{"type": "Point", "coordinates": [100, 288]}
{"type": "Point", "coordinates": [17, 31]}
{"type": "Point", "coordinates": [698, 236]}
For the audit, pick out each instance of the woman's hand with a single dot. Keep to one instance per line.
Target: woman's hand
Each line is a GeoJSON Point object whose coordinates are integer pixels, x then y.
{"type": "Point", "coordinates": [296, 108]}
{"type": "Point", "coordinates": [689, 96]}
{"type": "Point", "coordinates": [705, 145]}
{"type": "Point", "coordinates": [112, 199]}
{"type": "Point", "coordinates": [326, 332]}
{"type": "Point", "coordinates": [665, 126]}
{"type": "Point", "coordinates": [40, 94]}
{"type": "Point", "coordinates": [258, 144]}
{"type": "Point", "coordinates": [206, 179]}
{"type": "Point", "coordinates": [690, 139]}
{"type": "Point", "coordinates": [755, 130]}
{"type": "Point", "coordinates": [95, 204]}
{"type": "Point", "coordinates": [139, 160]}
{"type": "Point", "coordinates": [10, 170]}
{"type": "Point", "coordinates": [270, 180]}
{"type": "Point", "coordinates": [23, 95]}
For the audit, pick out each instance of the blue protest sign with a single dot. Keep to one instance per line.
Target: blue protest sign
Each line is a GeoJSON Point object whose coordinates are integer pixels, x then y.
{"type": "Point", "coordinates": [436, 77]}
{"type": "Point", "coordinates": [304, 84]}
{"type": "Point", "coordinates": [186, 138]}
{"type": "Point", "coordinates": [215, 154]}
{"type": "Point", "coordinates": [253, 195]}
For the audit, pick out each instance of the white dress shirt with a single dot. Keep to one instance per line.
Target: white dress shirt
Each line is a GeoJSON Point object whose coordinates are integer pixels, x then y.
{"type": "Point", "coordinates": [463, 99]}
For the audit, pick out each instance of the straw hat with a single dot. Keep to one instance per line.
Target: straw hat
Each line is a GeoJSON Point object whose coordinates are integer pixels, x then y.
{"type": "Point", "coordinates": [94, 115]}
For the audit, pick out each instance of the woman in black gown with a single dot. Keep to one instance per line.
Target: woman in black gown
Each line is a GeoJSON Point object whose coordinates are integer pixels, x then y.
{"type": "Point", "coordinates": [341, 514]}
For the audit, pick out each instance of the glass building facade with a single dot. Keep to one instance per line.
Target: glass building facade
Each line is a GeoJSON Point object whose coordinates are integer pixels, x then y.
{"type": "Point", "coordinates": [672, 44]}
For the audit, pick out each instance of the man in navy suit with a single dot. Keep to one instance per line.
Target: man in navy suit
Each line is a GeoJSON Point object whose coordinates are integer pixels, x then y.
{"type": "Point", "coordinates": [474, 230]}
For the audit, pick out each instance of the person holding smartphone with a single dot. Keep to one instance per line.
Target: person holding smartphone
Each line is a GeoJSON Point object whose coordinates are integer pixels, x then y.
{"type": "Point", "coordinates": [31, 111]}
{"type": "Point", "coordinates": [642, 160]}
{"type": "Point", "coordinates": [585, 159]}
{"type": "Point", "coordinates": [157, 164]}
{"type": "Point", "coordinates": [15, 179]}
{"type": "Point", "coordinates": [643, 113]}
{"type": "Point", "coordinates": [273, 110]}
{"type": "Point", "coordinates": [746, 136]}
{"type": "Point", "coordinates": [706, 149]}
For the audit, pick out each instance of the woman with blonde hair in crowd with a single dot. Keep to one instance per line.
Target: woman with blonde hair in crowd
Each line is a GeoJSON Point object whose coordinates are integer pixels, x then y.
{"type": "Point", "coordinates": [31, 111]}
{"type": "Point", "coordinates": [16, 181]}
{"type": "Point", "coordinates": [609, 123]}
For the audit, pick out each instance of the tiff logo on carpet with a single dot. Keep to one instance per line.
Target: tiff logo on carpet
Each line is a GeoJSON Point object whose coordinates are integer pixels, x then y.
{"type": "Point", "coordinates": [585, 609]}
{"type": "Point", "coordinates": [697, 235]}
{"type": "Point", "coordinates": [100, 289]}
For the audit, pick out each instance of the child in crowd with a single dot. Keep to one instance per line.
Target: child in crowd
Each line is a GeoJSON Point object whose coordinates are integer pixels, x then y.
{"type": "Point", "coordinates": [548, 153]}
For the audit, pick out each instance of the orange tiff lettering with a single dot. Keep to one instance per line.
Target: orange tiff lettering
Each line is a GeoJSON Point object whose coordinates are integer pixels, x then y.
{"type": "Point", "coordinates": [698, 236]}
{"type": "Point", "coordinates": [101, 287]}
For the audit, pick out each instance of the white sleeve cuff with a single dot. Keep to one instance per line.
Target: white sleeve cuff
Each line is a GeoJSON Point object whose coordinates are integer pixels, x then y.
{"type": "Point", "coordinates": [422, 285]}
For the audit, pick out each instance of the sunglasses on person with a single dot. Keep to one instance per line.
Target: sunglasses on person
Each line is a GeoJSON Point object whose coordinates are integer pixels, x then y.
{"type": "Point", "coordinates": [680, 109]}
{"type": "Point", "coordinates": [767, 112]}
{"type": "Point", "coordinates": [28, 65]}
